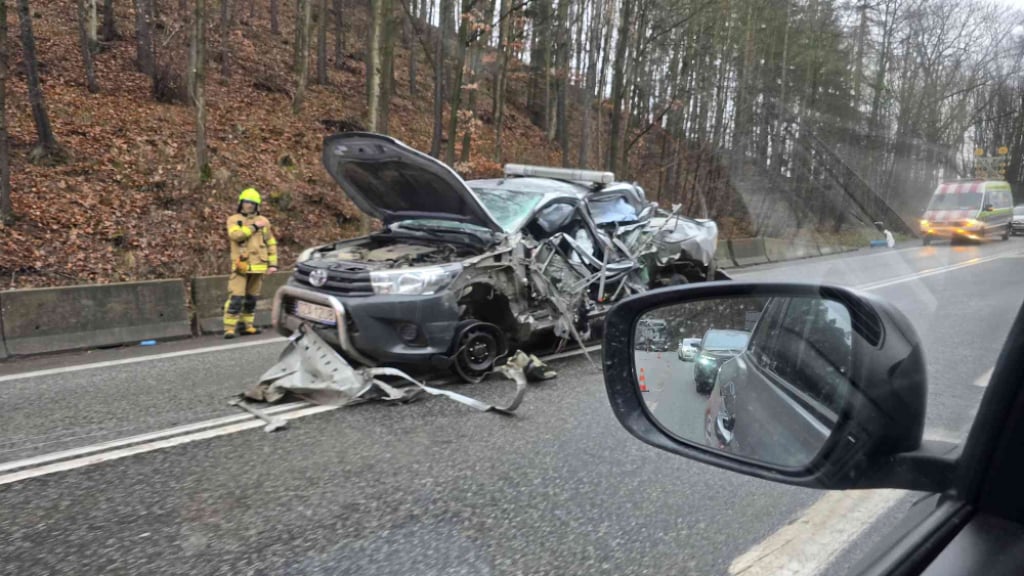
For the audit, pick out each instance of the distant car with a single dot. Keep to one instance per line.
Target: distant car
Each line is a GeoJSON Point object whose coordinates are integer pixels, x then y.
{"type": "Point", "coordinates": [688, 349]}
{"type": "Point", "coordinates": [716, 347]}
{"type": "Point", "coordinates": [1017, 224]}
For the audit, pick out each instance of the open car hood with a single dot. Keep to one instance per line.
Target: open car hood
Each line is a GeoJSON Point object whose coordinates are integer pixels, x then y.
{"type": "Point", "coordinates": [393, 182]}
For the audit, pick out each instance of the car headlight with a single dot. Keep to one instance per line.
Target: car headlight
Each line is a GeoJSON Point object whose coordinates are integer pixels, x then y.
{"type": "Point", "coordinates": [925, 224]}
{"type": "Point", "coordinates": [414, 281]}
{"type": "Point", "coordinates": [971, 223]}
{"type": "Point", "coordinates": [705, 359]}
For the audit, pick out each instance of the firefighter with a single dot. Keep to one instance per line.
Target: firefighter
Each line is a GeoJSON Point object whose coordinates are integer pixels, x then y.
{"type": "Point", "coordinates": [253, 254]}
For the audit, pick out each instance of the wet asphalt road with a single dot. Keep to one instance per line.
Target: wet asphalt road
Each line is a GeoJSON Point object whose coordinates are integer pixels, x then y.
{"type": "Point", "coordinates": [672, 395]}
{"type": "Point", "coordinates": [433, 487]}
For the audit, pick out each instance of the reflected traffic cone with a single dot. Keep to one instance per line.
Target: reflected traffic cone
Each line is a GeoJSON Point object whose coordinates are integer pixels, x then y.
{"type": "Point", "coordinates": [643, 382]}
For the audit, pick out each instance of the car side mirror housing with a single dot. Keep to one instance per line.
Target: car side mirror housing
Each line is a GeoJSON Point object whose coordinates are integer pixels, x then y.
{"type": "Point", "coordinates": [988, 208]}
{"type": "Point", "coordinates": [809, 385]}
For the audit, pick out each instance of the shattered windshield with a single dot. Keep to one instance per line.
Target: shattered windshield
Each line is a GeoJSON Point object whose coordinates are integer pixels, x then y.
{"type": "Point", "coordinates": [508, 207]}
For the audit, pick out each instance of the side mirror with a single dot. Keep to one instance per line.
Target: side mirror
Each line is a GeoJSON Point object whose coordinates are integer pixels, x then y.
{"type": "Point", "coordinates": [988, 208]}
{"type": "Point", "coordinates": [826, 390]}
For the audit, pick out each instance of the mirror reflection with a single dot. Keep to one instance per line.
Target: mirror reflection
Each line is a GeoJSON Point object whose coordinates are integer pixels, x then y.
{"type": "Point", "coordinates": [761, 378]}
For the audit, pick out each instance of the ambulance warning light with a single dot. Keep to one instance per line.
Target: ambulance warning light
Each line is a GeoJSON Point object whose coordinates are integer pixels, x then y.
{"type": "Point", "coordinates": [594, 176]}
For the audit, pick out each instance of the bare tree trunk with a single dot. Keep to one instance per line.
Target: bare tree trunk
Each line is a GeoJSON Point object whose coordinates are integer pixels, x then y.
{"type": "Point", "coordinates": [479, 44]}
{"type": "Point", "coordinates": [439, 75]}
{"type": "Point", "coordinates": [109, 23]}
{"type": "Point", "coordinates": [198, 83]}
{"type": "Point", "coordinates": [387, 48]}
{"type": "Point", "coordinates": [374, 74]}
{"type": "Point", "coordinates": [86, 46]}
{"type": "Point", "coordinates": [561, 115]}
{"type": "Point", "coordinates": [408, 31]}
{"type": "Point", "coordinates": [225, 37]}
{"type": "Point", "coordinates": [374, 65]}
{"type": "Point", "coordinates": [339, 33]}
{"type": "Point", "coordinates": [455, 101]}
{"type": "Point", "coordinates": [618, 83]}
{"type": "Point", "coordinates": [275, 24]}
{"type": "Point", "coordinates": [538, 101]}
{"type": "Point", "coordinates": [302, 54]}
{"type": "Point", "coordinates": [6, 208]}
{"type": "Point", "coordinates": [504, 42]}
{"type": "Point", "coordinates": [47, 145]}
{"type": "Point", "coordinates": [92, 25]}
{"type": "Point", "coordinates": [144, 58]}
{"type": "Point", "coordinates": [321, 44]}
{"type": "Point", "coordinates": [596, 24]}
{"type": "Point", "coordinates": [602, 77]}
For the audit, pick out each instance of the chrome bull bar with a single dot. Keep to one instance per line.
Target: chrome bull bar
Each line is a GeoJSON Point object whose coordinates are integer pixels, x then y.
{"type": "Point", "coordinates": [280, 317]}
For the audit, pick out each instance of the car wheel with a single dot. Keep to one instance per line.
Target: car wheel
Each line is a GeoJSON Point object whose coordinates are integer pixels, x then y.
{"type": "Point", "coordinates": [477, 347]}
{"type": "Point", "coordinates": [1006, 234]}
{"type": "Point", "coordinates": [926, 240]}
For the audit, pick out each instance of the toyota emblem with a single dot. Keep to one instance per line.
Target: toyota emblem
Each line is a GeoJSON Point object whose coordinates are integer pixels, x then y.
{"type": "Point", "coordinates": [318, 277]}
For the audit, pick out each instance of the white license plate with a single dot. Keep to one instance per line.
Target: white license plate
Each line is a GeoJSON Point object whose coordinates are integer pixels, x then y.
{"type": "Point", "coordinates": [315, 312]}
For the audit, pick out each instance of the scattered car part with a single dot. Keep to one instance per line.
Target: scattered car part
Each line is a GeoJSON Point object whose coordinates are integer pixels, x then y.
{"type": "Point", "coordinates": [311, 369]}
{"type": "Point", "coordinates": [273, 422]}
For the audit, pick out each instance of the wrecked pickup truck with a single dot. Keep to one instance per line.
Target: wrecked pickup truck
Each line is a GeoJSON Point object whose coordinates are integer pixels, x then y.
{"type": "Point", "coordinates": [463, 272]}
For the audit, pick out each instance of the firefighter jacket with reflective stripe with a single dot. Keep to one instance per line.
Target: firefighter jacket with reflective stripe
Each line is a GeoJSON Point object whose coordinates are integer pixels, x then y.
{"type": "Point", "coordinates": [252, 250]}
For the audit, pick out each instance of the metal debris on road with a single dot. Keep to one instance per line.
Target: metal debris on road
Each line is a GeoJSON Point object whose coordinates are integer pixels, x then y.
{"type": "Point", "coordinates": [273, 423]}
{"type": "Point", "coordinates": [309, 368]}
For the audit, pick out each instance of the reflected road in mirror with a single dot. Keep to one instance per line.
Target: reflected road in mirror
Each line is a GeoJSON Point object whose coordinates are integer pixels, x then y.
{"type": "Point", "coordinates": [759, 378]}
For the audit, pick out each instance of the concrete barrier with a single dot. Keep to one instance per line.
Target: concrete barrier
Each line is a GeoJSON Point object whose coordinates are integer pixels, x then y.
{"type": "Point", "coordinates": [782, 250]}
{"type": "Point", "coordinates": [723, 255]}
{"type": "Point", "coordinates": [748, 251]}
{"type": "Point", "coordinates": [209, 293]}
{"type": "Point", "coordinates": [3, 346]}
{"type": "Point", "coordinates": [68, 318]}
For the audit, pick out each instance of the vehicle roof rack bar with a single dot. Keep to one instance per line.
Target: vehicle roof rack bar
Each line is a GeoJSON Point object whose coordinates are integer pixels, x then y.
{"type": "Point", "coordinates": [573, 175]}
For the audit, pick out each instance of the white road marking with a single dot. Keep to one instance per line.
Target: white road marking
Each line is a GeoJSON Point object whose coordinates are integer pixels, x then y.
{"type": "Point", "coordinates": [136, 360]}
{"type": "Point", "coordinates": [148, 437]}
{"type": "Point", "coordinates": [982, 381]}
{"type": "Point", "coordinates": [115, 449]}
{"type": "Point", "coordinates": [926, 273]}
{"type": "Point", "coordinates": [807, 545]}
{"type": "Point", "coordinates": [150, 446]}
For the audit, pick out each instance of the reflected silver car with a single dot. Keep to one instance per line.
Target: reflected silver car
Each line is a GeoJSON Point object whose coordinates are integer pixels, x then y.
{"type": "Point", "coordinates": [688, 349]}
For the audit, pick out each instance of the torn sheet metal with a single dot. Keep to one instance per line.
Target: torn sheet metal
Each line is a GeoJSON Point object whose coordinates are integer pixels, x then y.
{"type": "Point", "coordinates": [310, 369]}
{"type": "Point", "coordinates": [679, 234]}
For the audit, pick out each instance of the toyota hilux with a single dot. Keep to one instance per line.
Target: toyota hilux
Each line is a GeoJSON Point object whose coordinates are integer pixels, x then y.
{"type": "Point", "coordinates": [462, 272]}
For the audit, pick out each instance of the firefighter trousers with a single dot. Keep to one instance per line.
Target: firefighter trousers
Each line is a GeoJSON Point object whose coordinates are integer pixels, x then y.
{"type": "Point", "coordinates": [243, 291]}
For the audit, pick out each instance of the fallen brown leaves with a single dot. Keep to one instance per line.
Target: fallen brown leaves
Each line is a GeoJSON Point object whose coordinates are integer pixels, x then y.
{"type": "Point", "coordinates": [127, 206]}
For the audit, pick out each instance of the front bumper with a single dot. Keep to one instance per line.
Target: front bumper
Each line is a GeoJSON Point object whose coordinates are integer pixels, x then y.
{"type": "Point", "coordinates": [367, 328]}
